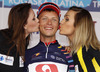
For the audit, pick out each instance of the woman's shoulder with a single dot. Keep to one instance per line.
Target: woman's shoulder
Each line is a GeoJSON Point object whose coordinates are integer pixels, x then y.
{"type": "Point", "coordinates": [93, 51]}
{"type": "Point", "coordinates": [4, 34]}
{"type": "Point", "coordinates": [2, 37]}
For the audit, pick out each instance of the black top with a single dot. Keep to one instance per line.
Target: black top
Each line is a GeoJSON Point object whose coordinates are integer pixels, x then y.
{"type": "Point", "coordinates": [12, 62]}
{"type": "Point", "coordinates": [87, 57]}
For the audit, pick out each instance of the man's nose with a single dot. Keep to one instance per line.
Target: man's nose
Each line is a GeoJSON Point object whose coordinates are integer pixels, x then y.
{"type": "Point", "coordinates": [49, 21]}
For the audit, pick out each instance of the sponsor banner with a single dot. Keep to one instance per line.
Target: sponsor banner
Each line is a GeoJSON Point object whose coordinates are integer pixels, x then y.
{"type": "Point", "coordinates": [47, 67]}
{"type": "Point", "coordinates": [91, 5]}
{"type": "Point", "coordinates": [0, 3]}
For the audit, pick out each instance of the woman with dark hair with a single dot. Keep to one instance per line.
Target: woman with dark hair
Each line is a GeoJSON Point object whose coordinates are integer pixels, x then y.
{"type": "Point", "coordinates": [14, 39]}
{"type": "Point", "coordinates": [78, 26]}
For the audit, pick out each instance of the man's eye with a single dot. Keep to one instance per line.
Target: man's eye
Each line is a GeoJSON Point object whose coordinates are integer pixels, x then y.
{"type": "Point", "coordinates": [44, 18]}
{"type": "Point", "coordinates": [54, 20]}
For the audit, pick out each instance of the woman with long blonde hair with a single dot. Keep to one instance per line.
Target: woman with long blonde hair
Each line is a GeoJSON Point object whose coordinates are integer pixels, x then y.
{"type": "Point", "coordinates": [78, 26]}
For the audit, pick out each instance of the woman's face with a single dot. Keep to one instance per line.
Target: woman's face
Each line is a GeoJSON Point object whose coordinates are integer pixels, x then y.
{"type": "Point", "coordinates": [32, 23]}
{"type": "Point", "coordinates": [67, 24]}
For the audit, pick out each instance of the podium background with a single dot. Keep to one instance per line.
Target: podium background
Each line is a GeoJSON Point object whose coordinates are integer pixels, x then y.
{"type": "Point", "coordinates": [93, 6]}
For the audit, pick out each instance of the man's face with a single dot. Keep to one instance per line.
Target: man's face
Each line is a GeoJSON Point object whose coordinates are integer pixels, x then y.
{"type": "Point", "coordinates": [49, 23]}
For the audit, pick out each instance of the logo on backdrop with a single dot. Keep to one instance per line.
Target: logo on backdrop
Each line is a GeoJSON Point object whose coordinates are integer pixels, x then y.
{"type": "Point", "coordinates": [91, 5]}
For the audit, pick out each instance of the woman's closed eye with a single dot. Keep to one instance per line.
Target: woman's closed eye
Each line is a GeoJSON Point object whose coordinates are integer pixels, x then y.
{"type": "Point", "coordinates": [33, 18]}
{"type": "Point", "coordinates": [67, 19]}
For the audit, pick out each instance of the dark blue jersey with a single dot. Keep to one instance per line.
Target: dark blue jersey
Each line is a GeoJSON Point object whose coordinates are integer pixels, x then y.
{"type": "Point", "coordinates": [51, 58]}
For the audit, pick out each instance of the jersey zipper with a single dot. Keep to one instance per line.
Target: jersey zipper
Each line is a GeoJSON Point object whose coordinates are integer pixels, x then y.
{"type": "Point", "coordinates": [46, 54]}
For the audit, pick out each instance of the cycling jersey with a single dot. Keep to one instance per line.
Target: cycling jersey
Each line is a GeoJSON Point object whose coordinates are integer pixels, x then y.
{"type": "Point", "coordinates": [48, 58]}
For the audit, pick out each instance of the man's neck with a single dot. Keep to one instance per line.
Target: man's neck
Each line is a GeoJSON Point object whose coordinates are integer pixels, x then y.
{"type": "Point", "coordinates": [47, 39]}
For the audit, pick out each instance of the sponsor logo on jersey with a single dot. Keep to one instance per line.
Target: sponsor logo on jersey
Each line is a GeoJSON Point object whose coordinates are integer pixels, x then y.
{"type": "Point", "coordinates": [47, 67]}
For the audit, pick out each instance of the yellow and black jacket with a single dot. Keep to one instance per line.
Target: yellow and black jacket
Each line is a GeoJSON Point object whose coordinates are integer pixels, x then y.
{"type": "Point", "coordinates": [87, 61]}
